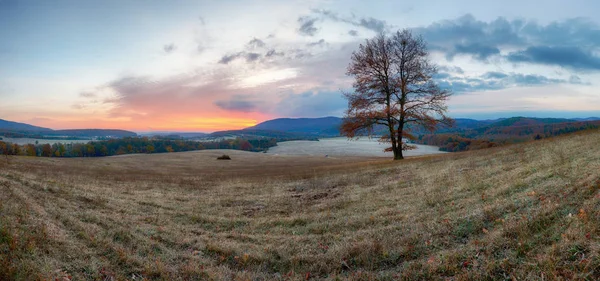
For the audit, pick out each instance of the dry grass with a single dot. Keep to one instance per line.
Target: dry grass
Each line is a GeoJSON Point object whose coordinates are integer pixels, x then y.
{"type": "Point", "coordinates": [526, 211]}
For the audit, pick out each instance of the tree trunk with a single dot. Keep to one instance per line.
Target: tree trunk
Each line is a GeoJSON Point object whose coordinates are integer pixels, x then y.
{"type": "Point", "coordinates": [398, 153]}
{"type": "Point", "coordinates": [394, 145]}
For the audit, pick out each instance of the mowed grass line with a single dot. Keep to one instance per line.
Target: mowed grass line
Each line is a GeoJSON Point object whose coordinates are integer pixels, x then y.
{"type": "Point", "coordinates": [527, 211]}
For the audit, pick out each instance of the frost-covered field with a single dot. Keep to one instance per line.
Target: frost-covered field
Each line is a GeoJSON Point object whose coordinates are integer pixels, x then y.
{"type": "Point", "coordinates": [22, 141]}
{"type": "Point", "coordinates": [343, 147]}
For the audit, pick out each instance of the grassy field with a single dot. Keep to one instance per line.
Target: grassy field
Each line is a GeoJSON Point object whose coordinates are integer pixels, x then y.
{"type": "Point", "coordinates": [520, 212]}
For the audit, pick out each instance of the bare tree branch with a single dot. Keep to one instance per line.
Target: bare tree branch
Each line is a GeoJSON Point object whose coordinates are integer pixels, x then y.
{"type": "Point", "coordinates": [393, 87]}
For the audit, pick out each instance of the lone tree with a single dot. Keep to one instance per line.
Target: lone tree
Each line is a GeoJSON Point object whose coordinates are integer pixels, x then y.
{"type": "Point", "coordinates": [393, 90]}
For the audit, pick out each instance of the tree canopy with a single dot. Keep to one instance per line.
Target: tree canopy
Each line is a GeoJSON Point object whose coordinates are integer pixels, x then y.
{"type": "Point", "coordinates": [394, 89]}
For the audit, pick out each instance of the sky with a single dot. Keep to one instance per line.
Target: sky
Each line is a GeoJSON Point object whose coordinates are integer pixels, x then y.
{"type": "Point", "coordinates": [220, 65]}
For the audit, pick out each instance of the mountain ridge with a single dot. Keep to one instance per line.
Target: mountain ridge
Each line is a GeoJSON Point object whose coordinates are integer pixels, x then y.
{"type": "Point", "coordinates": [16, 129]}
{"type": "Point", "coordinates": [11, 125]}
{"type": "Point", "coordinates": [312, 126]}
{"type": "Point", "coordinates": [303, 125]}
{"type": "Point", "coordinates": [283, 127]}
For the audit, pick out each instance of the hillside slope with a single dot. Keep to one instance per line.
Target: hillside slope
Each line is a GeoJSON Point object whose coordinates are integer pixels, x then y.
{"type": "Point", "coordinates": [527, 121]}
{"type": "Point", "coordinates": [468, 135]}
{"type": "Point", "coordinates": [514, 128]}
{"type": "Point", "coordinates": [252, 133]}
{"type": "Point", "coordinates": [22, 130]}
{"type": "Point", "coordinates": [520, 212]}
{"type": "Point", "coordinates": [10, 125]}
{"type": "Point", "coordinates": [312, 126]}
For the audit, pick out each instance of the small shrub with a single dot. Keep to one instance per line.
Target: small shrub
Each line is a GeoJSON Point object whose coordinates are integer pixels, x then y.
{"type": "Point", "coordinates": [224, 157]}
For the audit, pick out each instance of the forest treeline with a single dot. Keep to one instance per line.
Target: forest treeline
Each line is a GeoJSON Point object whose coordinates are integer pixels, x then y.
{"type": "Point", "coordinates": [487, 137]}
{"type": "Point", "coordinates": [454, 143]}
{"type": "Point", "coordinates": [130, 145]}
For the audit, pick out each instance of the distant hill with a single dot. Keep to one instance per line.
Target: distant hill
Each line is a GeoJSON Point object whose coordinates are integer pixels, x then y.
{"type": "Point", "coordinates": [464, 123]}
{"type": "Point", "coordinates": [325, 126]}
{"type": "Point", "coordinates": [9, 125]}
{"type": "Point", "coordinates": [506, 127]}
{"type": "Point", "coordinates": [93, 133]}
{"type": "Point", "coordinates": [251, 133]}
{"type": "Point", "coordinates": [510, 130]}
{"type": "Point", "coordinates": [587, 119]}
{"type": "Point", "coordinates": [460, 124]}
{"type": "Point", "coordinates": [528, 121]}
{"type": "Point", "coordinates": [526, 129]}
{"type": "Point", "coordinates": [22, 130]}
{"type": "Point", "coordinates": [186, 135]}
{"type": "Point", "coordinates": [329, 126]}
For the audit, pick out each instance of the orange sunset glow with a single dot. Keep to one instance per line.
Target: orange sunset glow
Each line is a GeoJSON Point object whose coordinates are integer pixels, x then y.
{"type": "Point", "coordinates": [178, 123]}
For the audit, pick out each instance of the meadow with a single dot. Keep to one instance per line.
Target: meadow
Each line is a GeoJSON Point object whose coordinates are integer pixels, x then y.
{"type": "Point", "coordinates": [520, 212]}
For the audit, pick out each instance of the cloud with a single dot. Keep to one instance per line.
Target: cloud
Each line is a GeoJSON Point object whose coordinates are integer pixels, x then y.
{"type": "Point", "coordinates": [256, 43]}
{"type": "Point", "coordinates": [131, 84]}
{"type": "Point", "coordinates": [272, 53]}
{"type": "Point", "coordinates": [574, 79]}
{"type": "Point", "coordinates": [466, 35]}
{"type": "Point", "coordinates": [245, 93]}
{"type": "Point", "coordinates": [442, 75]}
{"type": "Point", "coordinates": [248, 56]}
{"type": "Point", "coordinates": [451, 69]}
{"type": "Point", "coordinates": [494, 75]}
{"type": "Point", "coordinates": [307, 26]}
{"type": "Point", "coordinates": [372, 24]}
{"type": "Point", "coordinates": [240, 103]}
{"type": "Point", "coordinates": [169, 48]}
{"type": "Point", "coordinates": [533, 80]}
{"type": "Point", "coordinates": [87, 94]}
{"type": "Point", "coordinates": [317, 43]}
{"type": "Point", "coordinates": [497, 80]}
{"type": "Point", "coordinates": [353, 33]}
{"type": "Point", "coordinates": [78, 106]}
{"type": "Point", "coordinates": [569, 57]}
{"type": "Point", "coordinates": [569, 32]}
{"type": "Point", "coordinates": [312, 104]}
{"type": "Point", "coordinates": [480, 52]}
{"type": "Point", "coordinates": [193, 99]}
{"type": "Point", "coordinates": [253, 51]}
{"type": "Point", "coordinates": [555, 43]}
{"type": "Point", "coordinates": [369, 23]}
{"type": "Point", "coordinates": [272, 57]}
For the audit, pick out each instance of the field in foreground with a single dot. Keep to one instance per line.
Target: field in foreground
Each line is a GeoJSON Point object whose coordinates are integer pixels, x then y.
{"type": "Point", "coordinates": [528, 211]}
